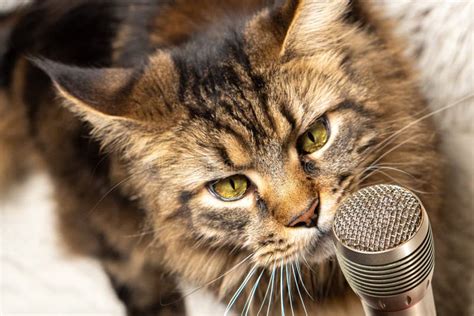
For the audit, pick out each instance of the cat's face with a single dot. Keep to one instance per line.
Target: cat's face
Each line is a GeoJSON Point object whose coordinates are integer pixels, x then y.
{"type": "Point", "coordinates": [252, 142]}
{"type": "Point", "coordinates": [265, 170]}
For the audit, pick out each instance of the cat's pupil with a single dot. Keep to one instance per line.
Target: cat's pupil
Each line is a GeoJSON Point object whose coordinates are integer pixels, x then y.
{"type": "Point", "coordinates": [232, 183]}
{"type": "Point", "coordinates": [311, 137]}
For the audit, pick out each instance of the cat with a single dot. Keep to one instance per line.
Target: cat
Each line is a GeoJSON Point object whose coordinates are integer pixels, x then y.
{"type": "Point", "coordinates": [210, 142]}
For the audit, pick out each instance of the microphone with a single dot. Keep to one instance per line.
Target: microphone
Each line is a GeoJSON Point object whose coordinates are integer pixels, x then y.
{"type": "Point", "coordinates": [384, 246]}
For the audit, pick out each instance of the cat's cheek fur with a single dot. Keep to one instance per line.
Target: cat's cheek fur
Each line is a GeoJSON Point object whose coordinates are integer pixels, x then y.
{"type": "Point", "coordinates": [327, 209]}
{"type": "Point", "coordinates": [225, 223]}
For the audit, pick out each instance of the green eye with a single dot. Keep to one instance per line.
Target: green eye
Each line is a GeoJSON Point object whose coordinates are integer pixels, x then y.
{"type": "Point", "coordinates": [314, 138]}
{"type": "Point", "coordinates": [231, 188]}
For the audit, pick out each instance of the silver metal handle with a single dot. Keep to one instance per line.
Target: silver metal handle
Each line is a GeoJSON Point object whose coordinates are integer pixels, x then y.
{"type": "Point", "coordinates": [424, 307]}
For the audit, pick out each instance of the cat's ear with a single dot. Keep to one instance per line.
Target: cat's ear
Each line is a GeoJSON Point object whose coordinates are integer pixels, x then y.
{"type": "Point", "coordinates": [93, 91]}
{"type": "Point", "coordinates": [302, 26]}
{"type": "Point", "coordinates": [312, 21]}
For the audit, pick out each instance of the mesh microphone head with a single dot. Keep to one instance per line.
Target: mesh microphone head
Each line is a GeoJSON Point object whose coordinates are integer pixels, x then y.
{"type": "Point", "coordinates": [378, 218]}
{"type": "Point", "coordinates": [384, 245]}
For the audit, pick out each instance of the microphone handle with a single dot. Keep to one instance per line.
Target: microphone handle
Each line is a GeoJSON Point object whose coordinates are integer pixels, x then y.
{"type": "Point", "coordinates": [424, 307]}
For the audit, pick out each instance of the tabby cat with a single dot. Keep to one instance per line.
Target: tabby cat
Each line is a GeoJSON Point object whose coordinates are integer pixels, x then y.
{"type": "Point", "coordinates": [210, 142]}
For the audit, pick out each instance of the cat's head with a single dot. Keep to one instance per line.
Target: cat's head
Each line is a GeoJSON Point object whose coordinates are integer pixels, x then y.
{"type": "Point", "coordinates": [248, 136]}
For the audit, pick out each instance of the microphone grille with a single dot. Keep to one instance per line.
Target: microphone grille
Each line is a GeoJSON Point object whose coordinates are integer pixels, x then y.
{"type": "Point", "coordinates": [378, 218]}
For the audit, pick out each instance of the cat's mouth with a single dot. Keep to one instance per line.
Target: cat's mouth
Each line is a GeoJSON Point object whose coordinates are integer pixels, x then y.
{"type": "Point", "coordinates": [304, 244]}
{"type": "Point", "coordinates": [310, 240]}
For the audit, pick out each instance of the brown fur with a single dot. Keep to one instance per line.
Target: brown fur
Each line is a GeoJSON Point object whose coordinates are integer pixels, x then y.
{"type": "Point", "coordinates": [15, 160]}
{"type": "Point", "coordinates": [222, 92]}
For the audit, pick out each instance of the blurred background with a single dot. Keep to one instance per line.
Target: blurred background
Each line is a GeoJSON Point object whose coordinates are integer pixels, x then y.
{"type": "Point", "coordinates": [38, 278]}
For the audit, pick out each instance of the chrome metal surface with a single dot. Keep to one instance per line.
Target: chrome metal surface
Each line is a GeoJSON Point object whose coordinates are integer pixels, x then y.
{"type": "Point", "coordinates": [378, 218]}
{"type": "Point", "coordinates": [393, 274]}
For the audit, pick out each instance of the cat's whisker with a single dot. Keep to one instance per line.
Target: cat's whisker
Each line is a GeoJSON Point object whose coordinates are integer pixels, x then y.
{"type": "Point", "coordinates": [403, 185]}
{"type": "Point", "coordinates": [219, 277]}
{"type": "Point", "coordinates": [365, 177]}
{"type": "Point", "coordinates": [143, 233]}
{"type": "Point", "coordinates": [307, 264]}
{"type": "Point", "coordinates": [372, 168]}
{"type": "Point", "coordinates": [268, 289]}
{"type": "Point", "coordinates": [288, 284]}
{"type": "Point", "coordinates": [300, 275]}
{"type": "Point", "coordinates": [430, 114]}
{"type": "Point", "coordinates": [455, 103]}
{"type": "Point", "coordinates": [393, 148]}
{"type": "Point", "coordinates": [281, 290]}
{"type": "Point", "coordinates": [235, 249]}
{"type": "Point", "coordinates": [113, 188]}
{"type": "Point", "coordinates": [376, 169]}
{"type": "Point", "coordinates": [372, 183]}
{"type": "Point", "coordinates": [272, 281]}
{"type": "Point", "coordinates": [332, 272]}
{"type": "Point", "coordinates": [240, 289]}
{"type": "Point", "coordinates": [394, 135]}
{"type": "Point", "coordinates": [213, 253]}
{"type": "Point", "coordinates": [402, 116]}
{"type": "Point", "coordinates": [366, 173]}
{"type": "Point", "coordinates": [374, 164]}
{"type": "Point", "coordinates": [399, 170]}
{"type": "Point", "coordinates": [248, 303]}
{"type": "Point", "coordinates": [149, 232]}
{"type": "Point", "coordinates": [298, 289]}
{"type": "Point", "coordinates": [150, 244]}
{"type": "Point", "coordinates": [103, 159]}
{"type": "Point", "coordinates": [389, 164]}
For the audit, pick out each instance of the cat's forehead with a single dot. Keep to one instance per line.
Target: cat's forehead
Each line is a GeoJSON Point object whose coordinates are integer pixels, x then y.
{"type": "Point", "coordinates": [259, 105]}
{"type": "Point", "coordinates": [249, 108]}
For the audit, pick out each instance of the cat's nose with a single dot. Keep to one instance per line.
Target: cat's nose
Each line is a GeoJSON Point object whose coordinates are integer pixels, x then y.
{"type": "Point", "coordinates": [307, 217]}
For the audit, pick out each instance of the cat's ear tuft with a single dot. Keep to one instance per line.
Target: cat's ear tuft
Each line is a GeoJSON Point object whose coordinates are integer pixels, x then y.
{"type": "Point", "coordinates": [302, 27]}
{"type": "Point", "coordinates": [102, 91]}
{"type": "Point", "coordinates": [314, 24]}
{"type": "Point", "coordinates": [283, 15]}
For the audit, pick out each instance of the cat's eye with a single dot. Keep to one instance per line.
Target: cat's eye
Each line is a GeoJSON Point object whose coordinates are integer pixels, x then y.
{"type": "Point", "coordinates": [231, 188]}
{"type": "Point", "coordinates": [314, 138]}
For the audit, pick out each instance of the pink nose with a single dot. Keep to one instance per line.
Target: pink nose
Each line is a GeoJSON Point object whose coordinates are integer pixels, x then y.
{"type": "Point", "coordinates": [307, 217]}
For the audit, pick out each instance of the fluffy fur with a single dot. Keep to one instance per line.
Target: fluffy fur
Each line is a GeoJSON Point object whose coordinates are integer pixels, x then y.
{"type": "Point", "coordinates": [182, 94]}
